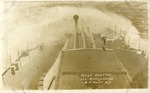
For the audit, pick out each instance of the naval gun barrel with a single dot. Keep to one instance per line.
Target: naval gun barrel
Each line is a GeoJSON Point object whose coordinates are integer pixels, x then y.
{"type": "Point", "coordinates": [76, 17]}
{"type": "Point", "coordinates": [76, 41]}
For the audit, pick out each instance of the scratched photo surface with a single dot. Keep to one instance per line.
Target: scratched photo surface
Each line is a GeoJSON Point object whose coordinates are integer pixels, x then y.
{"type": "Point", "coordinates": [57, 45]}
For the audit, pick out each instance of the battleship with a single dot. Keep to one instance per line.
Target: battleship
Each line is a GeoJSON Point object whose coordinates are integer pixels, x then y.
{"type": "Point", "coordinates": [84, 60]}
{"type": "Point", "coordinates": [89, 61]}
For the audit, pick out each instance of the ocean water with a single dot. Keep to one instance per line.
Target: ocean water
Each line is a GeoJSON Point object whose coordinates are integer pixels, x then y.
{"type": "Point", "coordinates": [27, 25]}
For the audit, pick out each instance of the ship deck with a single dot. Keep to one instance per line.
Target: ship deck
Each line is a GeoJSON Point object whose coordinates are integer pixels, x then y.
{"type": "Point", "coordinates": [93, 62]}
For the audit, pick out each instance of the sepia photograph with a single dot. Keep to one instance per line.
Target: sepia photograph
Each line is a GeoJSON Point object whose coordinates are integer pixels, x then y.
{"type": "Point", "coordinates": [75, 45]}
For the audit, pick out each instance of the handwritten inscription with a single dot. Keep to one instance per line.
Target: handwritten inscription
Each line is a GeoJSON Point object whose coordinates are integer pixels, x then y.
{"type": "Point", "coordinates": [94, 79]}
{"type": "Point", "coordinates": [97, 79]}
